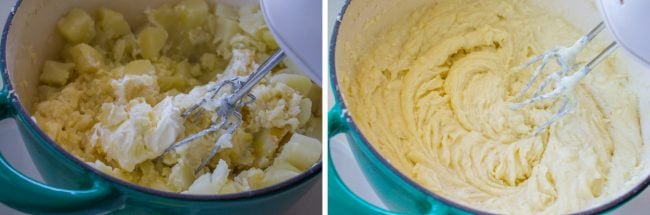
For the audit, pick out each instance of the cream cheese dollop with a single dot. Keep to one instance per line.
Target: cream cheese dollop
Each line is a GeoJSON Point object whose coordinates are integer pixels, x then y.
{"type": "Point", "coordinates": [134, 132]}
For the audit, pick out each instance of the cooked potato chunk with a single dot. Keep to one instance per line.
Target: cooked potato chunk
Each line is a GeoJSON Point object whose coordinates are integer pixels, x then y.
{"type": "Point", "coordinates": [266, 142]}
{"type": "Point", "coordinates": [191, 13]}
{"type": "Point", "coordinates": [301, 151]}
{"type": "Point", "coordinates": [139, 67]}
{"type": "Point", "coordinates": [151, 41]}
{"type": "Point", "coordinates": [226, 11]}
{"type": "Point", "coordinates": [211, 183]}
{"type": "Point", "coordinates": [315, 96]}
{"type": "Point", "coordinates": [226, 29]}
{"type": "Point", "coordinates": [86, 58]}
{"type": "Point", "coordinates": [163, 16]}
{"type": "Point", "coordinates": [209, 61]}
{"type": "Point", "coordinates": [279, 172]}
{"type": "Point", "coordinates": [124, 48]}
{"type": "Point", "coordinates": [111, 25]}
{"type": "Point", "coordinates": [268, 38]}
{"type": "Point", "coordinates": [77, 27]}
{"type": "Point", "coordinates": [181, 176]}
{"type": "Point", "coordinates": [174, 82]}
{"type": "Point", "coordinates": [251, 178]}
{"type": "Point", "coordinates": [305, 111]}
{"type": "Point", "coordinates": [300, 83]}
{"type": "Point", "coordinates": [56, 73]}
{"type": "Point", "coordinates": [229, 187]}
{"type": "Point", "coordinates": [251, 19]}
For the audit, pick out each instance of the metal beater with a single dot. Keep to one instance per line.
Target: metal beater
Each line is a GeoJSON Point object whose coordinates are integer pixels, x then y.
{"type": "Point", "coordinates": [227, 108]}
{"type": "Point", "coordinates": [296, 26]}
{"type": "Point", "coordinates": [564, 82]}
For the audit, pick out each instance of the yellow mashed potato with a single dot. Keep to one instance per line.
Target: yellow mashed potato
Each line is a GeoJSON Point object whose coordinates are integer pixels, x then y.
{"type": "Point", "coordinates": [433, 95]}
{"type": "Point", "coordinates": [115, 98]}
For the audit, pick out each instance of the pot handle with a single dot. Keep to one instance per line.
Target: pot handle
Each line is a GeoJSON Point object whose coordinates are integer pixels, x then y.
{"type": "Point", "coordinates": [341, 199]}
{"type": "Point", "coordinates": [23, 193]}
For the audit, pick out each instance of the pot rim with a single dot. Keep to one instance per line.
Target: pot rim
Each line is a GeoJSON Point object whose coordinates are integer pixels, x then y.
{"type": "Point", "coordinates": [22, 115]}
{"type": "Point", "coordinates": [610, 205]}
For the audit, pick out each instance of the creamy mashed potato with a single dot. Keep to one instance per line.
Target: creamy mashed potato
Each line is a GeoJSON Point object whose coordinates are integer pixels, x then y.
{"type": "Point", "coordinates": [116, 95]}
{"type": "Point", "coordinates": [433, 95]}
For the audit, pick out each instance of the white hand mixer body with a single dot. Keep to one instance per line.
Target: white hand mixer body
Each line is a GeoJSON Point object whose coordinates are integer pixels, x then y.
{"type": "Point", "coordinates": [629, 22]}
{"type": "Point", "coordinates": [625, 21]}
{"type": "Point", "coordinates": [296, 26]}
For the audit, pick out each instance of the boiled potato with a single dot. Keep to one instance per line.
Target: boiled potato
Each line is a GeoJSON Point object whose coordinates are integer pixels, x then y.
{"type": "Point", "coordinates": [191, 13]}
{"type": "Point", "coordinates": [315, 97]}
{"type": "Point", "coordinates": [56, 73]}
{"type": "Point", "coordinates": [211, 183]}
{"type": "Point", "coordinates": [211, 64]}
{"type": "Point", "coordinates": [209, 61]}
{"type": "Point", "coordinates": [181, 176]}
{"type": "Point", "coordinates": [52, 128]}
{"type": "Point", "coordinates": [111, 25]}
{"type": "Point", "coordinates": [279, 172]}
{"type": "Point", "coordinates": [301, 152]}
{"type": "Point", "coordinates": [77, 27]}
{"type": "Point", "coordinates": [124, 47]}
{"type": "Point", "coordinates": [229, 187]}
{"type": "Point", "coordinates": [226, 29]}
{"type": "Point", "coordinates": [250, 179]}
{"type": "Point", "coordinates": [251, 19]}
{"type": "Point", "coordinates": [163, 16]}
{"type": "Point", "coordinates": [300, 83]}
{"type": "Point", "coordinates": [305, 111]}
{"type": "Point", "coordinates": [86, 58]}
{"type": "Point", "coordinates": [139, 67]}
{"type": "Point", "coordinates": [266, 142]}
{"type": "Point", "coordinates": [151, 40]}
{"type": "Point", "coordinates": [268, 38]}
{"type": "Point", "coordinates": [226, 11]}
{"type": "Point", "coordinates": [174, 82]}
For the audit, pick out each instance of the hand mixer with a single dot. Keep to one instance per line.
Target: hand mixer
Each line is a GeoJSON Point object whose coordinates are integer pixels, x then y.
{"type": "Point", "coordinates": [625, 20]}
{"type": "Point", "coordinates": [296, 26]}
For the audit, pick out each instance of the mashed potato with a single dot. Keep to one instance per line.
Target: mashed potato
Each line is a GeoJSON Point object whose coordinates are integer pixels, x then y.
{"type": "Point", "coordinates": [115, 98]}
{"type": "Point", "coordinates": [433, 95]}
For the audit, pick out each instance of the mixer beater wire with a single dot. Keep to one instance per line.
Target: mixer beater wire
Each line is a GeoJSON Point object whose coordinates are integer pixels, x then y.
{"type": "Point", "coordinates": [226, 104]}
{"type": "Point", "coordinates": [565, 83]}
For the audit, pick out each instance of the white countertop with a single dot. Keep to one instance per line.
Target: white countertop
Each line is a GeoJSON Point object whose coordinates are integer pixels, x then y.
{"type": "Point", "coordinates": [13, 149]}
{"type": "Point", "coordinates": [351, 174]}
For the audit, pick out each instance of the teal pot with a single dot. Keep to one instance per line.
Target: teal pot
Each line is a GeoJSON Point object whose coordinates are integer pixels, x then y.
{"type": "Point", "coordinates": [358, 21]}
{"type": "Point", "coordinates": [71, 186]}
